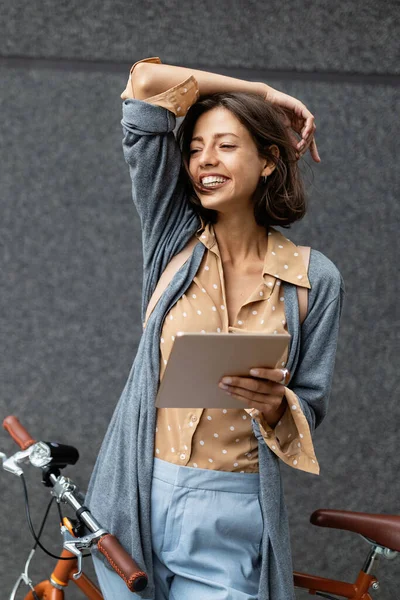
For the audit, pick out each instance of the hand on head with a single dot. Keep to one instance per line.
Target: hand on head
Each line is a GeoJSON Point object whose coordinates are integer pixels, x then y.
{"type": "Point", "coordinates": [299, 120]}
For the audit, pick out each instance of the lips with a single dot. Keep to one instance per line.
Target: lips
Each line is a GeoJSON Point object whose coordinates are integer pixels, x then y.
{"type": "Point", "coordinates": [212, 181]}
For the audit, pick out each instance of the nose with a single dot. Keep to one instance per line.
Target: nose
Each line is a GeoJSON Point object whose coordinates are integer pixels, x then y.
{"type": "Point", "coordinates": [208, 157]}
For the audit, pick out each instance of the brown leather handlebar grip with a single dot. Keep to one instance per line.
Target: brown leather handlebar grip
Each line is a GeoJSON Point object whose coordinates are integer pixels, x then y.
{"type": "Point", "coordinates": [122, 563]}
{"type": "Point", "coordinates": [18, 433]}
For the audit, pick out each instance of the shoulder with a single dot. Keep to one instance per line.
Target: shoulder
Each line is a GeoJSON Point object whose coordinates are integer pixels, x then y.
{"type": "Point", "coordinates": [325, 278]}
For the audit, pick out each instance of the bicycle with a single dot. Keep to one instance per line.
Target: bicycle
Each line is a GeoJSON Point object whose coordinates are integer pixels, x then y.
{"type": "Point", "coordinates": [382, 532]}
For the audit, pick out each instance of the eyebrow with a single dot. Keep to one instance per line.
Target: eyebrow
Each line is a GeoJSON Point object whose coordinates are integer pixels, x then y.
{"type": "Point", "coordinates": [198, 138]}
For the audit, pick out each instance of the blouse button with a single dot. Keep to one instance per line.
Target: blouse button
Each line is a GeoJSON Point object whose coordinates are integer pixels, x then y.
{"type": "Point", "coordinates": [194, 418]}
{"type": "Point", "coordinates": [183, 456]}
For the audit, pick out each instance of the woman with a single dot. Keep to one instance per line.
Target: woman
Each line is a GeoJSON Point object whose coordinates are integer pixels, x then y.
{"type": "Point", "coordinates": [195, 496]}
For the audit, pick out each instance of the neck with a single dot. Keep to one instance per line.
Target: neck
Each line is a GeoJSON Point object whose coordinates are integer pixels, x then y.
{"type": "Point", "coordinates": [240, 240]}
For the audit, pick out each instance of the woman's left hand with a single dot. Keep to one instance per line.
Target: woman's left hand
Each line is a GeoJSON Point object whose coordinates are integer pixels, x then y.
{"type": "Point", "coordinates": [261, 390]}
{"type": "Point", "coordinates": [299, 120]}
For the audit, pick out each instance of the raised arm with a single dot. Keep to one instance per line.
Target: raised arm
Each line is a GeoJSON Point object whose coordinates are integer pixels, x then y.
{"type": "Point", "coordinates": [150, 79]}
{"type": "Point", "coordinates": [167, 219]}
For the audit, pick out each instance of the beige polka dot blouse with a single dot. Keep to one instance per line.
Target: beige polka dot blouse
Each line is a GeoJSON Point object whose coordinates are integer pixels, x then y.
{"type": "Point", "coordinates": [223, 439]}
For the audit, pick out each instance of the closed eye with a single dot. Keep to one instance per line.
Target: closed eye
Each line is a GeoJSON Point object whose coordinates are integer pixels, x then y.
{"type": "Point", "coordinates": [228, 146]}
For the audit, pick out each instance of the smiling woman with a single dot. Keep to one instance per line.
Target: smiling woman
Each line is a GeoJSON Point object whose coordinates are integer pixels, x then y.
{"type": "Point", "coordinates": [195, 495]}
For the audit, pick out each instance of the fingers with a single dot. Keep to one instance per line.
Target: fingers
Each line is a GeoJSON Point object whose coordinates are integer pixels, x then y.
{"type": "Point", "coordinates": [254, 387]}
{"type": "Point", "coordinates": [314, 151]}
{"type": "Point", "coordinates": [309, 127]}
{"type": "Point", "coordinates": [302, 121]}
{"type": "Point", "coordinates": [259, 401]}
{"type": "Point", "coordinates": [307, 133]}
{"type": "Point", "coordinates": [295, 140]}
{"type": "Point", "coordinates": [311, 145]}
{"type": "Point", "coordinates": [271, 374]}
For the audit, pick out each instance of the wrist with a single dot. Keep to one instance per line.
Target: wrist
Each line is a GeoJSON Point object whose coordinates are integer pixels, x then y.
{"type": "Point", "coordinates": [274, 417]}
{"type": "Point", "coordinates": [262, 89]}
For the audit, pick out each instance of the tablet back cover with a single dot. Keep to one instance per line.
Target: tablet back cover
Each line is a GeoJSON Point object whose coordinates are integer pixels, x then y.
{"type": "Point", "coordinates": [198, 361]}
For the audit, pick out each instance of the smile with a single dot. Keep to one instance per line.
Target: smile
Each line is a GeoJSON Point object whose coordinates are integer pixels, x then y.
{"type": "Point", "coordinates": [211, 181]}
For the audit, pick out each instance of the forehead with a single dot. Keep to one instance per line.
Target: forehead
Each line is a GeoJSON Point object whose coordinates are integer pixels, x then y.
{"type": "Point", "coordinates": [219, 120]}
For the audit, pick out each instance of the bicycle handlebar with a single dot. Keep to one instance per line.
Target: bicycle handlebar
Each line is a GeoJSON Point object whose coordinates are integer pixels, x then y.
{"type": "Point", "coordinates": [122, 563]}
{"type": "Point", "coordinates": [126, 567]}
{"type": "Point", "coordinates": [18, 432]}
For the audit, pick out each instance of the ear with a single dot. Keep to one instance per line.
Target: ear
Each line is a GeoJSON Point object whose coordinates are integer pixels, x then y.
{"type": "Point", "coordinates": [270, 166]}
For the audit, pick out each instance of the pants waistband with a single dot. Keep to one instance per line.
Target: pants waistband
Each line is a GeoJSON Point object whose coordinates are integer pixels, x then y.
{"type": "Point", "coordinates": [207, 479]}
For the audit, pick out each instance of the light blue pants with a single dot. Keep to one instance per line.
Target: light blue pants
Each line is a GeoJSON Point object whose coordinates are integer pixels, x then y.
{"type": "Point", "coordinates": [207, 530]}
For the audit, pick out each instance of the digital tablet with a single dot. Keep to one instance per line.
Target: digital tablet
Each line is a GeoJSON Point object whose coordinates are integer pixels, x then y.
{"type": "Point", "coordinates": [198, 361]}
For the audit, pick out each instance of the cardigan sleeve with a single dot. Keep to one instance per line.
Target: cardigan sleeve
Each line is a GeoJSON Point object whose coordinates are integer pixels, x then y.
{"type": "Point", "coordinates": [154, 159]}
{"type": "Point", "coordinates": [312, 379]}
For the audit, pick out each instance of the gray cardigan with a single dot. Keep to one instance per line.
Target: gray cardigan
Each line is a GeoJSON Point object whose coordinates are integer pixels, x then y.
{"type": "Point", "coordinates": [120, 486]}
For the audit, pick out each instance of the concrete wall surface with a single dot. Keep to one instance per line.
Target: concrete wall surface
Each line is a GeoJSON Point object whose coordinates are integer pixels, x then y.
{"type": "Point", "coordinates": [70, 241]}
{"type": "Point", "coordinates": [302, 36]}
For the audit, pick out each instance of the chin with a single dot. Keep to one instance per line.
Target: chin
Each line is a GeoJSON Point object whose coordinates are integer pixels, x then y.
{"type": "Point", "coordinates": [214, 203]}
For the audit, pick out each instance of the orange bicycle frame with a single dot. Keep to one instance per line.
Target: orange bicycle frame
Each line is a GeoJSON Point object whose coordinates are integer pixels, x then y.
{"type": "Point", "coordinates": [352, 591]}
{"type": "Point", "coordinates": [61, 576]}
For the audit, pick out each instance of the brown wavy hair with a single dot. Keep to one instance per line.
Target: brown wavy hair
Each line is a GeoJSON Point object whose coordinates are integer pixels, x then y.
{"type": "Point", "coordinates": [281, 200]}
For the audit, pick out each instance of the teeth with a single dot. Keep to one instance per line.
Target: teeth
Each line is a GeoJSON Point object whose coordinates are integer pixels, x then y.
{"type": "Point", "coordinates": [212, 180]}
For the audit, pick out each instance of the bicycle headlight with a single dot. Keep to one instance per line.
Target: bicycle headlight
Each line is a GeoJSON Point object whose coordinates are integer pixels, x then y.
{"type": "Point", "coordinates": [40, 455]}
{"type": "Point", "coordinates": [54, 454]}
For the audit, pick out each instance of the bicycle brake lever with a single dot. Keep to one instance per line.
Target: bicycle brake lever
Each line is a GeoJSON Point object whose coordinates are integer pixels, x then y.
{"type": "Point", "coordinates": [75, 545]}
{"type": "Point", "coordinates": [11, 464]}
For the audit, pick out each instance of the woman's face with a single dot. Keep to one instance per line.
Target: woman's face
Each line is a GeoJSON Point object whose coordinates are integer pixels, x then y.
{"type": "Point", "coordinates": [224, 162]}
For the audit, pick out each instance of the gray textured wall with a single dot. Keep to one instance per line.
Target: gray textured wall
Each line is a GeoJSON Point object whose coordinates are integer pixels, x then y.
{"type": "Point", "coordinates": [70, 239]}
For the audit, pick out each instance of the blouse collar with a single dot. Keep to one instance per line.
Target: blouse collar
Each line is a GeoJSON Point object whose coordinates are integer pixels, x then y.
{"type": "Point", "coordinates": [282, 261]}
